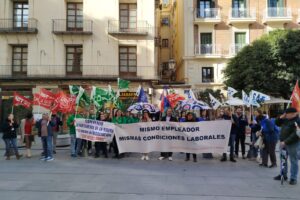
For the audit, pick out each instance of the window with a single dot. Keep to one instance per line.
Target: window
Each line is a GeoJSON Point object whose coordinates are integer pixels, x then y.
{"type": "Point", "coordinates": [240, 40]}
{"type": "Point", "coordinates": [20, 18]}
{"type": "Point", "coordinates": [206, 43]}
{"type": "Point", "coordinates": [165, 68]}
{"type": "Point", "coordinates": [207, 74]}
{"type": "Point", "coordinates": [128, 15]}
{"type": "Point", "coordinates": [165, 21]}
{"type": "Point", "coordinates": [19, 59]}
{"type": "Point", "coordinates": [128, 60]}
{"type": "Point", "coordinates": [204, 9]}
{"type": "Point", "coordinates": [165, 43]}
{"type": "Point", "coordinates": [276, 8]}
{"type": "Point", "coordinates": [74, 60]}
{"type": "Point", "coordinates": [239, 8]}
{"type": "Point", "coordinates": [74, 16]}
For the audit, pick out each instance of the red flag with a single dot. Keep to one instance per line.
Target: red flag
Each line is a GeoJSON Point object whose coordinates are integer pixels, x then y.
{"type": "Point", "coordinates": [63, 103]}
{"type": "Point", "coordinates": [296, 97]}
{"type": "Point", "coordinates": [174, 98]}
{"type": "Point", "coordinates": [45, 98]}
{"type": "Point", "coordinates": [20, 100]}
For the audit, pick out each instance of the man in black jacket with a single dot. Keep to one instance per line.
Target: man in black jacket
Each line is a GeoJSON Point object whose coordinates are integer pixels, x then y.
{"type": "Point", "coordinates": [289, 140]}
{"type": "Point", "coordinates": [167, 118]}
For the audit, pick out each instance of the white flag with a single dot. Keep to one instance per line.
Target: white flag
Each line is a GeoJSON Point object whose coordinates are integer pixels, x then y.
{"type": "Point", "coordinates": [191, 95]}
{"type": "Point", "coordinates": [215, 103]}
{"type": "Point", "coordinates": [257, 97]}
{"type": "Point", "coordinates": [81, 91]}
{"type": "Point", "coordinates": [246, 98]}
{"type": "Point", "coordinates": [230, 92]}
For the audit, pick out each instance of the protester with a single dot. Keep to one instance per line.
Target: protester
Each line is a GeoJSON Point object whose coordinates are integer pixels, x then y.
{"type": "Point", "coordinates": [290, 141]}
{"type": "Point", "coordinates": [55, 129]}
{"type": "Point", "coordinates": [9, 129]}
{"type": "Point", "coordinates": [44, 127]}
{"type": "Point", "coordinates": [101, 146]}
{"type": "Point", "coordinates": [190, 117]}
{"type": "Point", "coordinates": [240, 121]}
{"type": "Point", "coordinates": [255, 126]}
{"type": "Point", "coordinates": [28, 136]}
{"type": "Point", "coordinates": [204, 117]}
{"type": "Point", "coordinates": [270, 136]}
{"type": "Point", "coordinates": [146, 118]}
{"type": "Point", "coordinates": [182, 116]}
{"type": "Point", "coordinates": [228, 116]}
{"type": "Point", "coordinates": [79, 141]}
{"type": "Point", "coordinates": [167, 118]}
{"type": "Point", "coordinates": [117, 119]}
{"type": "Point", "coordinates": [72, 130]}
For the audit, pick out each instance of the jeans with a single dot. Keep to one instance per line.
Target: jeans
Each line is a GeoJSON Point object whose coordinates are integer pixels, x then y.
{"type": "Point", "coordinates": [12, 142]}
{"type": "Point", "coordinates": [240, 138]}
{"type": "Point", "coordinates": [292, 151]}
{"type": "Point", "coordinates": [78, 146]}
{"type": "Point", "coordinates": [231, 145]}
{"type": "Point", "coordinates": [47, 146]}
{"type": "Point", "coordinates": [73, 144]}
{"type": "Point", "coordinates": [54, 140]}
{"type": "Point", "coordinates": [101, 146]}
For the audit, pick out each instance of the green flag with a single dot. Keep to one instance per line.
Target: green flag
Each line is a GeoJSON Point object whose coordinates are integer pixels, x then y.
{"type": "Point", "coordinates": [99, 96]}
{"type": "Point", "coordinates": [123, 84]}
{"type": "Point", "coordinates": [82, 99]}
{"type": "Point", "coordinates": [74, 89]}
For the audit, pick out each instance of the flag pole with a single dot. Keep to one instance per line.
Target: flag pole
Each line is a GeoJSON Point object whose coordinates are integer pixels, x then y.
{"type": "Point", "coordinates": [12, 109]}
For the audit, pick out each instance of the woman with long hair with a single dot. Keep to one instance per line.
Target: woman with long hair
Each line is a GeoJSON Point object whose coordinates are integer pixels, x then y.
{"type": "Point", "coordinates": [146, 118]}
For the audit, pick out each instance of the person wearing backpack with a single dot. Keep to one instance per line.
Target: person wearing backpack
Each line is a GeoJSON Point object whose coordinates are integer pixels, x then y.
{"type": "Point", "coordinates": [270, 133]}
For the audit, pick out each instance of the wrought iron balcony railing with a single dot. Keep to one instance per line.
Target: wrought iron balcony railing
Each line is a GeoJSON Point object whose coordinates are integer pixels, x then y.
{"type": "Point", "coordinates": [77, 27]}
{"type": "Point", "coordinates": [28, 26]}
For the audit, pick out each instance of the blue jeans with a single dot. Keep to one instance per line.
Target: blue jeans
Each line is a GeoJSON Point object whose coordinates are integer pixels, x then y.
{"type": "Point", "coordinates": [78, 146]}
{"type": "Point", "coordinates": [47, 146]}
{"type": "Point", "coordinates": [73, 144]}
{"type": "Point", "coordinates": [292, 151]}
{"type": "Point", "coordinates": [231, 144]}
{"type": "Point", "coordinates": [12, 142]}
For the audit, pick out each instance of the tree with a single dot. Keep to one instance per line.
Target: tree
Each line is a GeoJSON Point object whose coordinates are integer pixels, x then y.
{"type": "Point", "coordinates": [266, 65]}
{"type": "Point", "coordinates": [204, 95]}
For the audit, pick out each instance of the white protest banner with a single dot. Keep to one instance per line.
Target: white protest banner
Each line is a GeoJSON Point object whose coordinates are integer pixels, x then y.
{"type": "Point", "coordinates": [190, 137]}
{"type": "Point", "coordinates": [94, 130]}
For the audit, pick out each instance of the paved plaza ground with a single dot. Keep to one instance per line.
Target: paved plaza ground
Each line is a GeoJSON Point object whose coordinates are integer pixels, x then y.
{"type": "Point", "coordinates": [130, 178]}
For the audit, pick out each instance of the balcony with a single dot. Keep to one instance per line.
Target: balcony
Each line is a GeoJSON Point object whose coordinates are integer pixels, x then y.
{"type": "Point", "coordinates": [208, 15]}
{"type": "Point", "coordinates": [89, 72]}
{"type": "Point", "coordinates": [138, 28]}
{"type": "Point", "coordinates": [208, 51]}
{"type": "Point", "coordinates": [235, 48]}
{"type": "Point", "coordinates": [10, 26]}
{"type": "Point", "coordinates": [277, 15]}
{"type": "Point", "coordinates": [67, 27]}
{"type": "Point", "coordinates": [242, 15]}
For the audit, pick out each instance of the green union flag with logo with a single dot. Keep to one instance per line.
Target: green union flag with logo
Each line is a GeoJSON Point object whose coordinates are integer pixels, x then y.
{"type": "Point", "coordinates": [123, 84]}
{"type": "Point", "coordinates": [82, 98]}
{"type": "Point", "coordinates": [99, 96]}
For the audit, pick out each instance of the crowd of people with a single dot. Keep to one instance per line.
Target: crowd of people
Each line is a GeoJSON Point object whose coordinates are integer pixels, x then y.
{"type": "Point", "coordinates": [265, 132]}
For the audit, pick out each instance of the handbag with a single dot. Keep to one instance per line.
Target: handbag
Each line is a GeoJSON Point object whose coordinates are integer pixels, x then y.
{"type": "Point", "coordinates": [259, 143]}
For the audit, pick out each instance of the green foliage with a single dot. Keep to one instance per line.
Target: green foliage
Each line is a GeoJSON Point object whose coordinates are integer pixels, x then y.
{"type": "Point", "coordinates": [204, 95]}
{"type": "Point", "coordinates": [270, 64]}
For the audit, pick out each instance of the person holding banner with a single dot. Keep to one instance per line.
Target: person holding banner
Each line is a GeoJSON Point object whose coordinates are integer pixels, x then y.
{"type": "Point", "coordinates": [182, 116]}
{"type": "Point", "coordinates": [44, 127]}
{"type": "Point", "coordinates": [101, 146]}
{"type": "Point", "coordinates": [9, 129]}
{"type": "Point", "coordinates": [190, 117]}
{"type": "Point", "coordinates": [228, 116]}
{"type": "Point", "coordinates": [241, 122]}
{"type": "Point", "coordinates": [146, 118]}
{"type": "Point", "coordinates": [117, 119]}
{"type": "Point", "coordinates": [167, 118]}
{"type": "Point", "coordinates": [72, 131]}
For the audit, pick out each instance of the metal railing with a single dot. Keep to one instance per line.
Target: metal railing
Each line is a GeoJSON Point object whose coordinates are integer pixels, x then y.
{"type": "Point", "coordinates": [88, 71]}
{"type": "Point", "coordinates": [208, 49]}
{"type": "Point", "coordinates": [235, 48]}
{"type": "Point", "coordinates": [207, 13]}
{"type": "Point", "coordinates": [278, 12]}
{"type": "Point", "coordinates": [242, 13]}
{"type": "Point", "coordinates": [128, 27]}
{"type": "Point", "coordinates": [18, 26]}
{"type": "Point", "coordinates": [63, 26]}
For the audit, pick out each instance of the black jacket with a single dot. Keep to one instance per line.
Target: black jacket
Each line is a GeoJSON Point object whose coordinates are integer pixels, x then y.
{"type": "Point", "coordinates": [173, 119]}
{"type": "Point", "coordinates": [9, 131]}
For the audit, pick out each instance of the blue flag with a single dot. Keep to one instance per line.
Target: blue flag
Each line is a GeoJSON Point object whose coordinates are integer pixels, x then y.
{"type": "Point", "coordinates": [142, 96]}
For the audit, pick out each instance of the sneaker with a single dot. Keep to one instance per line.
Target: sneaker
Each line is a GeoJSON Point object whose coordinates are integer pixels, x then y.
{"type": "Point", "coordinates": [161, 158]}
{"type": "Point", "coordinates": [278, 178]}
{"type": "Point", "coordinates": [147, 158]}
{"type": "Point", "coordinates": [49, 159]}
{"type": "Point", "coordinates": [170, 158]}
{"type": "Point", "coordinates": [232, 160]}
{"type": "Point", "coordinates": [42, 158]}
{"type": "Point", "coordinates": [293, 182]}
{"type": "Point", "coordinates": [143, 158]}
